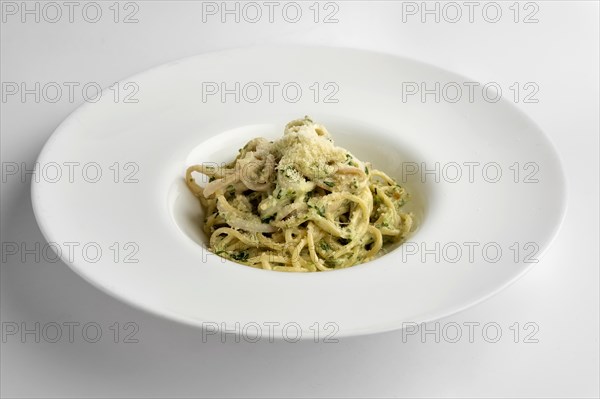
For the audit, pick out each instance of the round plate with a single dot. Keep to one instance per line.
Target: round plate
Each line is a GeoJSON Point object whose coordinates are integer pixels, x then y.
{"type": "Point", "coordinates": [486, 187]}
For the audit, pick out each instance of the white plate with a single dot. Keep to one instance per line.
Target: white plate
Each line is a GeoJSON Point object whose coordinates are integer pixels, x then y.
{"type": "Point", "coordinates": [177, 122]}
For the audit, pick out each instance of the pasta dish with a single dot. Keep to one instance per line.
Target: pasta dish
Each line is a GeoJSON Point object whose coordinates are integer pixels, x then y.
{"type": "Point", "coordinates": [299, 204]}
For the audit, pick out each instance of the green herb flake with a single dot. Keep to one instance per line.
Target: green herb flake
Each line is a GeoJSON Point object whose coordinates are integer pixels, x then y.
{"type": "Point", "coordinates": [241, 256]}
{"type": "Point", "coordinates": [329, 183]}
{"type": "Point", "coordinates": [350, 160]}
{"type": "Point", "coordinates": [268, 219]}
{"type": "Point", "coordinates": [308, 196]}
{"type": "Point", "coordinates": [321, 211]}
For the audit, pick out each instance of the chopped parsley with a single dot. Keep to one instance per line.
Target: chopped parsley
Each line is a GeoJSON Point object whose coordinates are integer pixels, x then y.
{"type": "Point", "coordinates": [320, 211]}
{"type": "Point", "coordinates": [268, 218]}
{"type": "Point", "coordinates": [241, 256]}
{"type": "Point", "coordinates": [308, 196]}
{"type": "Point", "coordinates": [350, 160]}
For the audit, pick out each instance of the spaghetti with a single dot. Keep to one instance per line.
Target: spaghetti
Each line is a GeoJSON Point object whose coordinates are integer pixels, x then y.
{"type": "Point", "coordinates": [299, 204]}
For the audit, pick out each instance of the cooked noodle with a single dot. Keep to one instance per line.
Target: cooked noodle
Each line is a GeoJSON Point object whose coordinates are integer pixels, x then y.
{"type": "Point", "coordinates": [299, 204]}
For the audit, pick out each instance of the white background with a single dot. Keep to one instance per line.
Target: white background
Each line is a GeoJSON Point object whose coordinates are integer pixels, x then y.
{"type": "Point", "coordinates": [560, 295]}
